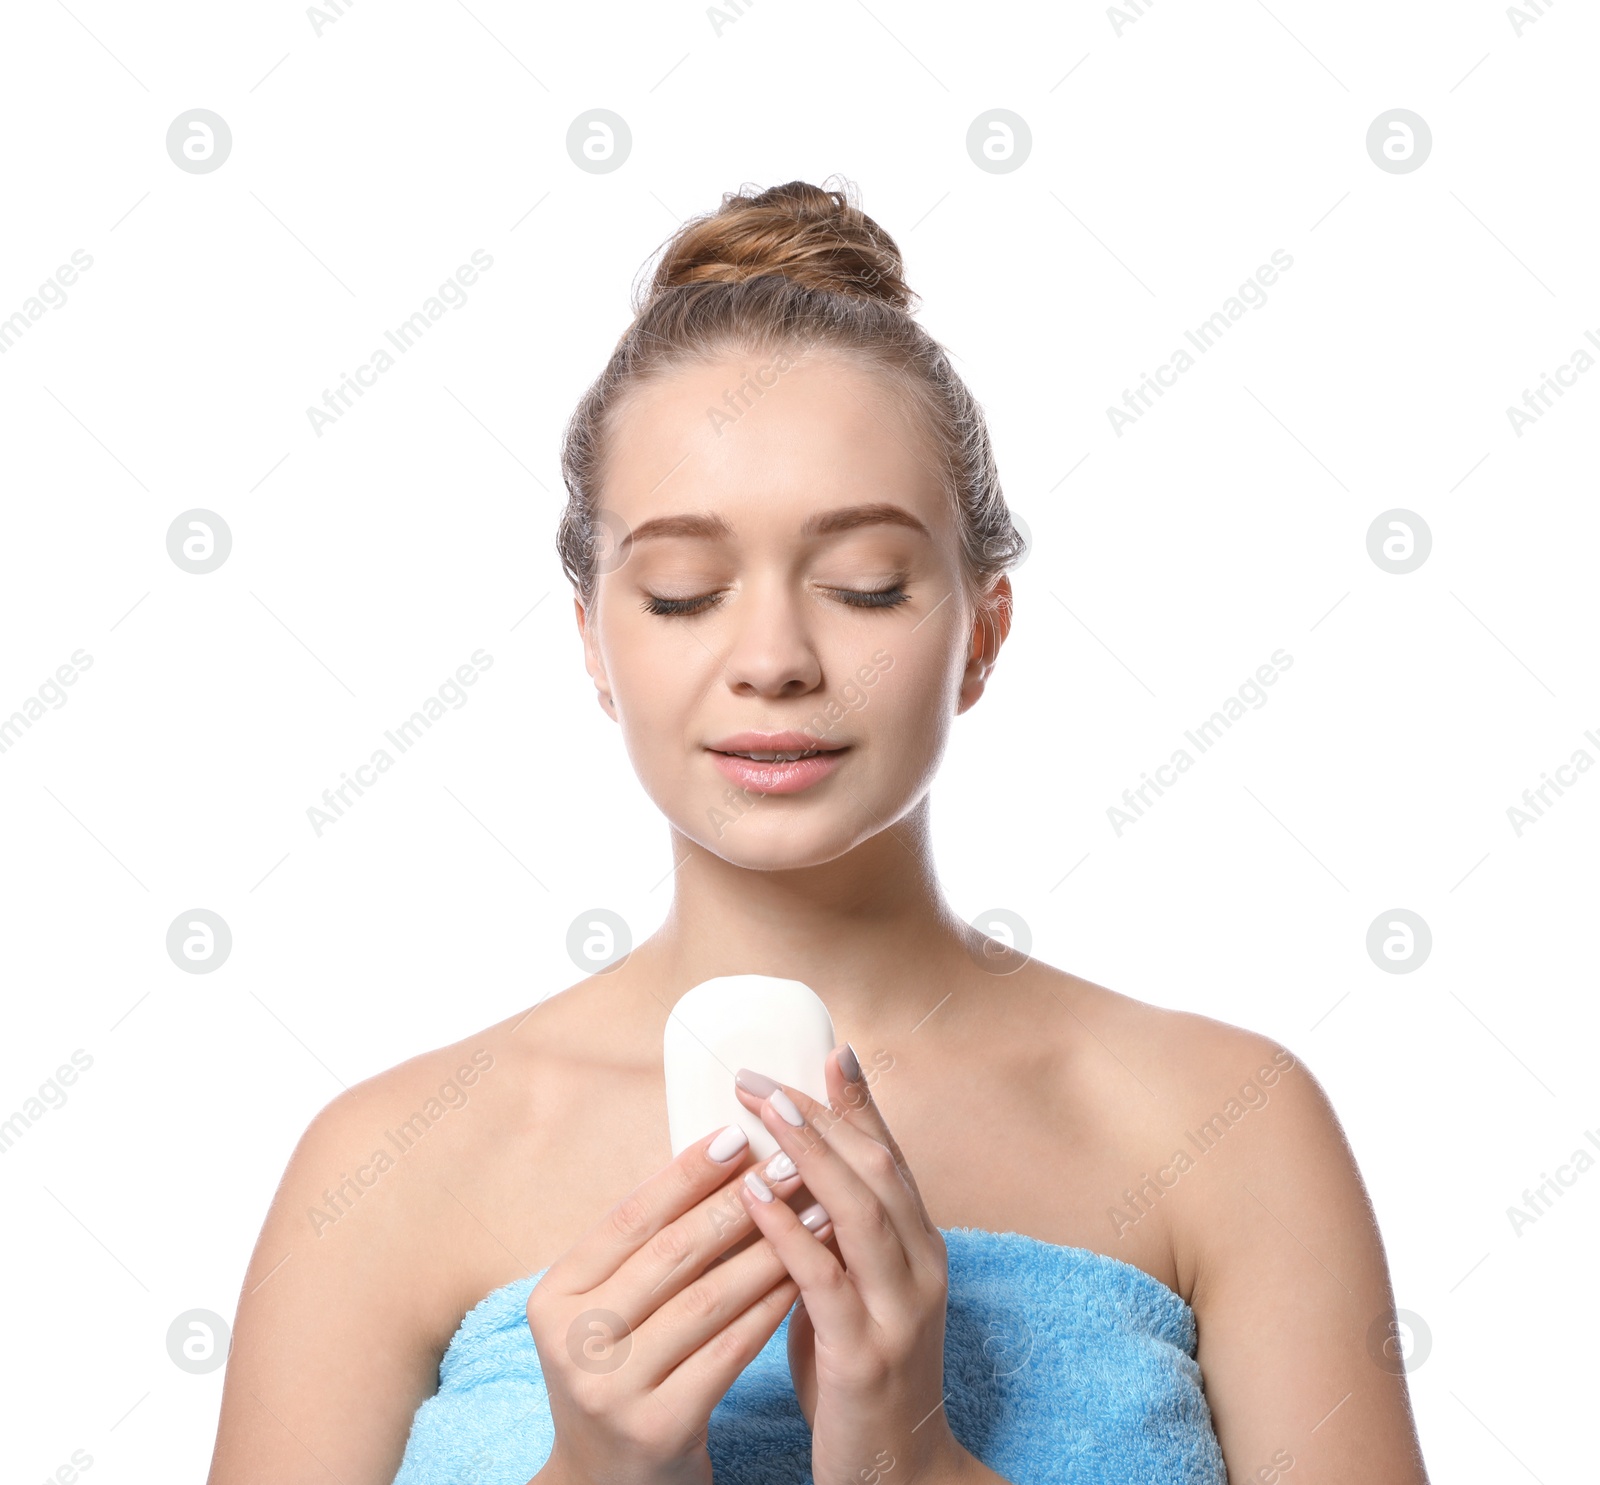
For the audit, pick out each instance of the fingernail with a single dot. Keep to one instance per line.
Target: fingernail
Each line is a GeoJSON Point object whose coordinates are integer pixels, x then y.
{"type": "Point", "coordinates": [758, 1187]}
{"type": "Point", "coordinates": [753, 1082]}
{"type": "Point", "coordinates": [780, 1167]}
{"type": "Point", "coordinates": [727, 1144]}
{"type": "Point", "coordinates": [785, 1106]}
{"type": "Point", "coordinates": [850, 1064]}
{"type": "Point", "coordinates": [814, 1216]}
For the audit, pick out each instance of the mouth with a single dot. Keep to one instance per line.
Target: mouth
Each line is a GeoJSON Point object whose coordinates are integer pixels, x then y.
{"type": "Point", "coordinates": [776, 770]}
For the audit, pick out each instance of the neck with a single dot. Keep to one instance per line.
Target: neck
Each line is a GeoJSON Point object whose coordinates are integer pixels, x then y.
{"type": "Point", "coordinates": [869, 931]}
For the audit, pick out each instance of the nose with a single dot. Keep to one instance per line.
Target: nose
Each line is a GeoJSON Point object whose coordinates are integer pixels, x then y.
{"type": "Point", "coordinates": [772, 653]}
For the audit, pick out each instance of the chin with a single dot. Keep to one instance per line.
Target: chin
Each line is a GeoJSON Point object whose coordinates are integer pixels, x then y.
{"type": "Point", "coordinates": [777, 845]}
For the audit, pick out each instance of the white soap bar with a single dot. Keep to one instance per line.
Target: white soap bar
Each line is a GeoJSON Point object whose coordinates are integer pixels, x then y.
{"type": "Point", "coordinates": [769, 1025]}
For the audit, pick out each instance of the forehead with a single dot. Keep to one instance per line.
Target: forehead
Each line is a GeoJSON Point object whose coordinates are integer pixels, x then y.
{"type": "Point", "coordinates": [748, 438]}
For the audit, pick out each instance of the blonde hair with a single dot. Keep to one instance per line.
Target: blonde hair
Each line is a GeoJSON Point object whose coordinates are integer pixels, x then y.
{"type": "Point", "coordinates": [795, 267]}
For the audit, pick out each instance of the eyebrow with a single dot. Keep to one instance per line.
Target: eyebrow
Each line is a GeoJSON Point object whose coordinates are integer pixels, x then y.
{"type": "Point", "coordinates": [826, 523]}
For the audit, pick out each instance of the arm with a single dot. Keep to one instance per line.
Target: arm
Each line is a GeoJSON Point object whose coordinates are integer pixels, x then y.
{"type": "Point", "coordinates": [330, 1354]}
{"type": "Point", "coordinates": [1293, 1300]}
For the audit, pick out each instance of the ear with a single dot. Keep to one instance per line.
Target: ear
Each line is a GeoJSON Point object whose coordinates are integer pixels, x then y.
{"type": "Point", "coordinates": [592, 660]}
{"type": "Point", "coordinates": [990, 627]}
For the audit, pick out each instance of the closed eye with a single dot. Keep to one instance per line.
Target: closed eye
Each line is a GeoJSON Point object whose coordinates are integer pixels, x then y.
{"type": "Point", "coordinates": [872, 597]}
{"type": "Point", "coordinates": [889, 597]}
{"type": "Point", "coordinates": [656, 605]}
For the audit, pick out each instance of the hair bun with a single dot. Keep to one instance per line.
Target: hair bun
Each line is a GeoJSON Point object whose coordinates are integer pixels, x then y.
{"type": "Point", "coordinates": [820, 238]}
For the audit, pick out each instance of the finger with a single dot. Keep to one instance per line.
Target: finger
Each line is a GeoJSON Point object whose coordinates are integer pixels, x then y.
{"type": "Point", "coordinates": [715, 1366]}
{"type": "Point", "coordinates": [851, 1098]}
{"type": "Point", "coordinates": [840, 1123]}
{"type": "Point", "coordinates": [851, 1174]}
{"type": "Point", "coordinates": [781, 1174]}
{"type": "Point", "coordinates": [802, 1349]}
{"type": "Point", "coordinates": [678, 1188]}
{"type": "Point", "coordinates": [707, 1235]}
{"type": "Point", "coordinates": [835, 1306]}
{"type": "Point", "coordinates": [704, 1307]}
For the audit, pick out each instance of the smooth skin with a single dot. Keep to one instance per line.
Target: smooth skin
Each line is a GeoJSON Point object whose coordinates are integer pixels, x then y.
{"type": "Point", "coordinates": [1021, 1098]}
{"type": "Point", "coordinates": [638, 1343]}
{"type": "Point", "coordinates": [866, 1349]}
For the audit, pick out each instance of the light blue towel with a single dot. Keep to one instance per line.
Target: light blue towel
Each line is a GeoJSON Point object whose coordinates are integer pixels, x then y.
{"type": "Point", "coordinates": [1060, 1365]}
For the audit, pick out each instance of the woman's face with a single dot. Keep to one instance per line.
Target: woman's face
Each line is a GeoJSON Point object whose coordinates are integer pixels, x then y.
{"type": "Point", "coordinates": [786, 561]}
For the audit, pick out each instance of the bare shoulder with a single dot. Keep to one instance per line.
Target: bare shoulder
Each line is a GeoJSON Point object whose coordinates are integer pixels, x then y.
{"type": "Point", "coordinates": [1178, 1047]}
{"type": "Point", "coordinates": [357, 1280]}
{"type": "Point", "coordinates": [1183, 1063]}
{"type": "Point", "coordinates": [1250, 1120]}
{"type": "Point", "coordinates": [1206, 1115]}
{"type": "Point", "coordinates": [1276, 1241]}
{"type": "Point", "coordinates": [1188, 1064]}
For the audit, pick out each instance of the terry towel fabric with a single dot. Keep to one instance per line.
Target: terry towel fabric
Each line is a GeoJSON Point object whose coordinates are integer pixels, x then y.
{"type": "Point", "coordinates": [1060, 1365]}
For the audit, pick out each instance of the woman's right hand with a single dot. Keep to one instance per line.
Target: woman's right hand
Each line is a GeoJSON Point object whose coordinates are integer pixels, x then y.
{"type": "Point", "coordinates": [641, 1331]}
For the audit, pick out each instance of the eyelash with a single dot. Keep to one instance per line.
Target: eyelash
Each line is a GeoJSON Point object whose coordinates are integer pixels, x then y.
{"type": "Point", "coordinates": [890, 597]}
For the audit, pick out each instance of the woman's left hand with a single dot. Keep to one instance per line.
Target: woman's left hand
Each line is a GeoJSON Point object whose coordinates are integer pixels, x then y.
{"type": "Point", "coordinates": [866, 1342]}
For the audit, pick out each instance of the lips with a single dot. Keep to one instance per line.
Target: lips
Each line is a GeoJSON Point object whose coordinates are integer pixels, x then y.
{"type": "Point", "coordinates": [774, 742]}
{"type": "Point", "coordinates": [786, 762]}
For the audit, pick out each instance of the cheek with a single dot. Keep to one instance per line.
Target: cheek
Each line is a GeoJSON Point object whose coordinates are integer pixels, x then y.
{"type": "Point", "coordinates": [652, 704]}
{"type": "Point", "coordinates": [649, 666]}
{"type": "Point", "coordinates": [661, 691]}
{"type": "Point", "coordinates": [911, 702]}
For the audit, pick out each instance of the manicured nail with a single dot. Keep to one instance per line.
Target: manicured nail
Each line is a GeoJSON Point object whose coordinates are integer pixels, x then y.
{"type": "Point", "coordinates": [850, 1064]}
{"type": "Point", "coordinates": [727, 1144]}
{"type": "Point", "coordinates": [780, 1167]}
{"type": "Point", "coordinates": [758, 1187]}
{"type": "Point", "coordinates": [814, 1216]}
{"type": "Point", "coordinates": [753, 1082]}
{"type": "Point", "coordinates": [785, 1106]}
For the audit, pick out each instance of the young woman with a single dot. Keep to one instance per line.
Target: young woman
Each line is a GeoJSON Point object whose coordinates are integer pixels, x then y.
{"type": "Point", "coordinates": [1039, 1232]}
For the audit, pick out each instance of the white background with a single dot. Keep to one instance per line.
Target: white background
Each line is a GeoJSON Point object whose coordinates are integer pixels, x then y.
{"type": "Point", "coordinates": [1167, 163]}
